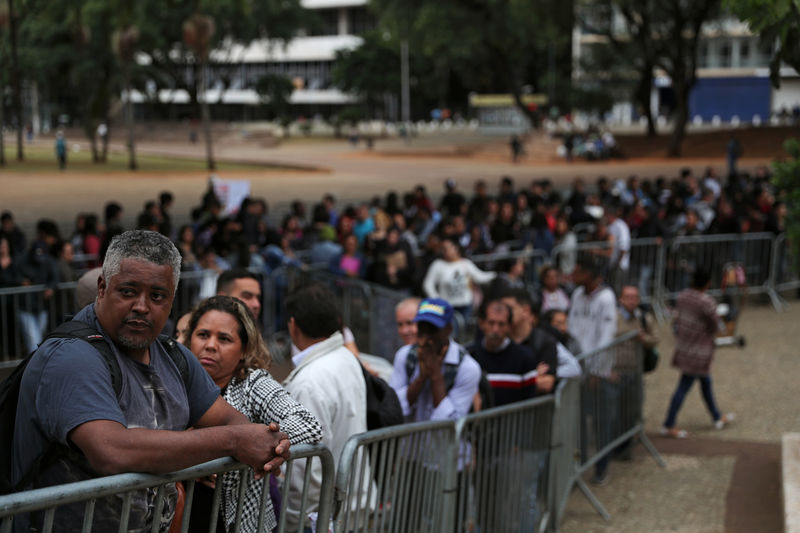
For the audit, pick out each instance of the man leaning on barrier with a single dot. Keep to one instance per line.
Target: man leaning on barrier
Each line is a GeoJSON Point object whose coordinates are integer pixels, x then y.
{"type": "Point", "coordinates": [71, 418]}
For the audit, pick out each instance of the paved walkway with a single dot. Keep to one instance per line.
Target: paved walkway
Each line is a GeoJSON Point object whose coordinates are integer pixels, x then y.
{"type": "Point", "coordinates": [715, 481]}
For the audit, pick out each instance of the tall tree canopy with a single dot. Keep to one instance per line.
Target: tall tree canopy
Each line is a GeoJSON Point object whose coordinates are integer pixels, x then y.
{"type": "Point", "coordinates": [775, 22]}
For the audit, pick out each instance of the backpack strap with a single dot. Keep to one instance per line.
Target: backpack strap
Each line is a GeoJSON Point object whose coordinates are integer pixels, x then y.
{"type": "Point", "coordinates": [451, 369]}
{"type": "Point", "coordinates": [75, 329]}
{"type": "Point", "coordinates": [174, 352]}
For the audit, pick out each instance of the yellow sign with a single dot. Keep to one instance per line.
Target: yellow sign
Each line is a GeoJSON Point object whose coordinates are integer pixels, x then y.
{"type": "Point", "coordinates": [505, 100]}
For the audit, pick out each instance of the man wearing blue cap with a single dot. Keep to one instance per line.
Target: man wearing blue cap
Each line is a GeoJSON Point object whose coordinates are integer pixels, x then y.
{"type": "Point", "coordinates": [435, 379]}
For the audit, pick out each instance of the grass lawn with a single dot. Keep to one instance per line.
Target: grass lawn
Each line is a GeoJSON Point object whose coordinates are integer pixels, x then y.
{"type": "Point", "coordinates": [40, 159]}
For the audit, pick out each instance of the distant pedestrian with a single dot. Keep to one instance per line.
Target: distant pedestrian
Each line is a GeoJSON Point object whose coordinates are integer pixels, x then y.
{"type": "Point", "coordinates": [734, 152]}
{"type": "Point", "coordinates": [61, 150]}
{"type": "Point", "coordinates": [516, 148]}
{"type": "Point", "coordinates": [696, 326]}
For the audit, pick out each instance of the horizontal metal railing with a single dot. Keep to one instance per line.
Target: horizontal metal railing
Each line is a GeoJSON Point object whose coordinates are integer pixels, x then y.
{"type": "Point", "coordinates": [87, 492]}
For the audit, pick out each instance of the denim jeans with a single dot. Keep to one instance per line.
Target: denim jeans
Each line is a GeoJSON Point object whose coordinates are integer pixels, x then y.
{"type": "Point", "coordinates": [684, 385]}
{"type": "Point", "coordinates": [32, 326]}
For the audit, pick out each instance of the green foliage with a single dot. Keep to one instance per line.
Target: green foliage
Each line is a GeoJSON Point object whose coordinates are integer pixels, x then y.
{"type": "Point", "coordinates": [275, 91]}
{"type": "Point", "coordinates": [786, 178]}
{"type": "Point", "coordinates": [369, 71]}
{"type": "Point", "coordinates": [774, 21]}
{"type": "Point", "coordinates": [486, 45]}
{"type": "Point", "coordinates": [66, 46]}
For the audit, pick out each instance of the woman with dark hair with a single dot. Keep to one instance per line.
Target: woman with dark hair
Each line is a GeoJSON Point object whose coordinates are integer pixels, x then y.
{"type": "Point", "coordinates": [92, 244]}
{"type": "Point", "coordinates": [552, 295]}
{"type": "Point", "coordinates": [225, 339]}
{"type": "Point", "coordinates": [696, 326]}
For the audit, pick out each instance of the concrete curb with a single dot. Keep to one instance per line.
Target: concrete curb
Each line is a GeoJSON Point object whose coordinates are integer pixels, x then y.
{"type": "Point", "coordinates": [790, 478]}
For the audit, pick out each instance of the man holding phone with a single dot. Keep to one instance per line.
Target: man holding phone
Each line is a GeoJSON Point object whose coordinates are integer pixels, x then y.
{"type": "Point", "coordinates": [435, 379]}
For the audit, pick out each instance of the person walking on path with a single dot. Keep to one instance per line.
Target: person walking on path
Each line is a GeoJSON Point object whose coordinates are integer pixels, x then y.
{"type": "Point", "coordinates": [696, 325]}
{"type": "Point", "coordinates": [61, 150]}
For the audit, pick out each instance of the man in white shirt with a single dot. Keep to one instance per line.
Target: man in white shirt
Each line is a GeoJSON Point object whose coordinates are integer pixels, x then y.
{"type": "Point", "coordinates": [593, 323]}
{"type": "Point", "coordinates": [328, 381]}
{"type": "Point", "coordinates": [620, 260]}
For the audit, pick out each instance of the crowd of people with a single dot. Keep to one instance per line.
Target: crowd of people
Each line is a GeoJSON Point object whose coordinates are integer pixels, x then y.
{"type": "Point", "coordinates": [525, 341]}
{"type": "Point", "coordinates": [407, 241]}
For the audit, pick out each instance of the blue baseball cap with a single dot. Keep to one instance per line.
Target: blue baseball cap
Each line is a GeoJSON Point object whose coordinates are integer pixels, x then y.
{"type": "Point", "coordinates": [435, 311]}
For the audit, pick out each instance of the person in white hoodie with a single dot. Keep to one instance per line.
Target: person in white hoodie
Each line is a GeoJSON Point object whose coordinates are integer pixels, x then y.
{"type": "Point", "coordinates": [593, 323]}
{"type": "Point", "coordinates": [327, 379]}
{"type": "Point", "coordinates": [451, 278]}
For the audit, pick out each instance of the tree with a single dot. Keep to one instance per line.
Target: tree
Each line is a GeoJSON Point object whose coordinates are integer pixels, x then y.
{"type": "Point", "coordinates": [671, 31]}
{"type": "Point", "coordinates": [237, 22]}
{"type": "Point", "coordinates": [774, 22]}
{"type": "Point", "coordinates": [124, 41]}
{"type": "Point", "coordinates": [3, 27]}
{"type": "Point", "coordinates": [274, 91]}
{"type": "Point", "coordinates": [16, 76]}
{"type": "Point", "coordinates": [635, 50]}
{"type": "Point", "coordinates": [198, 31]}
{"type": "Point", "coordinates": [510, 47]}
{"type": "Point", "coordinates": [679, 24]}
{"type": "Point", "coordinates": [370, 71]}
{"type": "Point", "coordinates": [787, 179]}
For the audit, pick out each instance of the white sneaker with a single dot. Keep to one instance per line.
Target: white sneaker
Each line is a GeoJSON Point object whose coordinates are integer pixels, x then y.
{"type": "Point", "coordinates": [724, 421]}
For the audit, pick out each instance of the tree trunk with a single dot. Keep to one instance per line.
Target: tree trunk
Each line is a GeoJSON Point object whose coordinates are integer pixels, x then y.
{"type": "Point", "coordinates": [15, 79]}
{"type": "Point", "coordinates": [643, 92]}
{"type": "Point", "coordinates": [129, 119]}
{"type": "Point", "coordinates": [104, 152]}
{"type": "Point", "coordinates": [531, 116]}
{"type": "Point", "coordinates": [681, 118]}
{"type": "Point", "coordinates": [211, 165]}
{"type": "Point", "coordinates": [93, 144]}
{"type": "Point", "coordinates": [2, 141]}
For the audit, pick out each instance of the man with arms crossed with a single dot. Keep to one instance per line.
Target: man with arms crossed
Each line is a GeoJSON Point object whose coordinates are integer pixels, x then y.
{"type": "Point", "coordinates": [67, 400]}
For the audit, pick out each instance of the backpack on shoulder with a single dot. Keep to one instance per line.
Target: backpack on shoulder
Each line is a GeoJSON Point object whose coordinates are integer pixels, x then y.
{"type": "Point", "coordinates": [10, 388]}
{"type": "Point", "coordinates": [383, 406]}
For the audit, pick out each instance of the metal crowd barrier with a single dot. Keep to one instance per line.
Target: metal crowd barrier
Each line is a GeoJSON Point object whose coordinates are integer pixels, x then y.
{"type": "Point", "coordinates": [645, 257]}
{"type": "Point", "coordinates": [532, 259]}
{"type": "Point", "coordinates": [404, 474]}
{"type": "Point", "coordinates": [611, 403]}
{"type": "Point", "coordinates": [18, 304]}
{"type": "Point", "coordinates": [565, 437]}
{"type": "Point", "coordinates": [503, 474]}
{"type": "Point", "coordinates": [785, 269]}
{"type": "Point", "coordinates": [510, 468]}
{"type": "Point", "coordinates": [752, 251]}
{"type": "Point", "coordinates": [44, 504]}
{"type": "Point", "coordinates": [384, 340]}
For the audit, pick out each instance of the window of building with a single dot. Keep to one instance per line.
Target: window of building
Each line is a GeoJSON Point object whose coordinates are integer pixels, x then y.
{"type": "Point", "coordinates": [744, 53]}
{"type": "Point", "coordinates": [725, 54]}
{"type": "Point", "coordinates": [360, 20]}
{"type": "Point", "coordinates": [326, 23]}
{"type": "Point", "coordinates": [703, 55]}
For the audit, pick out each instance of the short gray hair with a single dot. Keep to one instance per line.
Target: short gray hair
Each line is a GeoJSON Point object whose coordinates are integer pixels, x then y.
{"type": "Point", "coordinates": [147, 246]}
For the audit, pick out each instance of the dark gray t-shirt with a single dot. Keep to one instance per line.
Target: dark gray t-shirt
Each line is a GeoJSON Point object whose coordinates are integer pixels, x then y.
{"type": "Point", "coordinates": [67, 383]}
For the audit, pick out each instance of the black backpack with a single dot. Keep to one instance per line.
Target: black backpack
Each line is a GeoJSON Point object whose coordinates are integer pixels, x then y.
{"type": "Point", "coordinates": [9, 396]}
{"type": "Point", "coordinates": [383, 406]}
